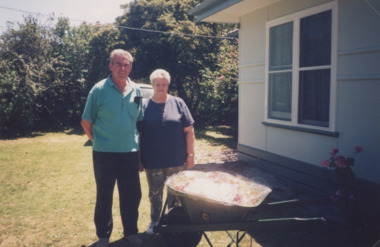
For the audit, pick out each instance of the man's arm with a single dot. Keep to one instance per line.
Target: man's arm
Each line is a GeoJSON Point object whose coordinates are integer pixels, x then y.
{"type": "Point", "coordinates": [87, 127]}
{"type": "Point", "coordinates": [141, 165]}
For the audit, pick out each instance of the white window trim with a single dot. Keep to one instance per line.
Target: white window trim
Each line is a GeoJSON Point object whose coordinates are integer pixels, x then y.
{"type": "Point", "coordinates": [295, 70]}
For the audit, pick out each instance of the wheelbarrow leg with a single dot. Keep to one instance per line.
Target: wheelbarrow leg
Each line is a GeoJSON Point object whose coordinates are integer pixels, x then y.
{"type": "Point", "coordinates": [163, 210]}
{"type": "Point", "coordinates": [238, 240]}
{"type": "Point", "coordinates": [231, 237]}
{"type": "Point", "coordinates": [208, 240]}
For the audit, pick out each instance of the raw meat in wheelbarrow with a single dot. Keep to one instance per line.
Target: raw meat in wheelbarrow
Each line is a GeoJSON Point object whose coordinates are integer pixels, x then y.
{"type": "Point", "coordinates": [220, 186]}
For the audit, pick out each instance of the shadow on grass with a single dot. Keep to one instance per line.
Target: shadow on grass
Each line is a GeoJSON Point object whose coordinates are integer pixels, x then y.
{"type": "Point", "coordinates": [218, 135]}
{"type": "Point", "coordinates": [75, 131]}
{"type": "Point", "coordinates": [148, 241]}
{"type": "Point", "coordinates": [32, 135]}
{"type": "Point", "coordinates": [297, 234]}
{"type": "Point", "coordinates": [88, 143]}
{"type": "Point", "coordinates": [312, 234]}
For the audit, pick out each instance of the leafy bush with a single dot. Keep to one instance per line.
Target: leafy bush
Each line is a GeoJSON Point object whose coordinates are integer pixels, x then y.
{"type": "Point", "coordinates": [219, 89]}
{"type": "Point", "coordinates": [16, 108]}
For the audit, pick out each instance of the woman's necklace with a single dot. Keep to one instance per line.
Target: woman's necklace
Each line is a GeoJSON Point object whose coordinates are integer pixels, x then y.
{"type": "Point", "coordinates": [163, 107]}
{"type": "Point", "coordinates": [161, 104]}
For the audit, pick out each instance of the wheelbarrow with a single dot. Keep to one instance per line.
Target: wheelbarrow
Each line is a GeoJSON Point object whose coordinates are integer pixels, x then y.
{"type": "Point", "coordinates": [185, 224]}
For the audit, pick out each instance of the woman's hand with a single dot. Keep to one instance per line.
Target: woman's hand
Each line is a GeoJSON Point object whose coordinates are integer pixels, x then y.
{"type": "Point", "coordinates": [141, 166]}
{"type": "Point", "coordinates": [190, 161]}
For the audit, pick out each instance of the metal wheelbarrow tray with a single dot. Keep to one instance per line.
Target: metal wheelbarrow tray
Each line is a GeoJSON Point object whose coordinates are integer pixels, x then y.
{"type": "Point", "coordinates": [203, 209]}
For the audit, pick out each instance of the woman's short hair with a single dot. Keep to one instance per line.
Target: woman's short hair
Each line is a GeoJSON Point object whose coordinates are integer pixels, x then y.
{"type": "Point", "coordinates": [120, 52]}
{"type": "Point", "coordinates": [159, 74]}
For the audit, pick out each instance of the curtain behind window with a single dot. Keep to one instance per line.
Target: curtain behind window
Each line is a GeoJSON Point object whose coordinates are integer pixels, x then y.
{"type": "Point", "coordinates": [280, 75]}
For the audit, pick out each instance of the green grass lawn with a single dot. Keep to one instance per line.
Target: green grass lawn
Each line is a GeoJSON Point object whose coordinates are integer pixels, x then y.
{"type": "Point", "coordinates": [48, 190]}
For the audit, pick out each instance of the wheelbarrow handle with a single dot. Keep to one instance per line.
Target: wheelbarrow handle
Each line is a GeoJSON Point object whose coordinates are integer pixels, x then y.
{"type": "Point", "coordinates": [292, 203]}
{"type": "Point", "coordinates": [241, 225]}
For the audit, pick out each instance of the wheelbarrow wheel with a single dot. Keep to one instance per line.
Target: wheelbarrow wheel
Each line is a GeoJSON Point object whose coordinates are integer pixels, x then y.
{"type": "Point", "coordinates": [177, 215]}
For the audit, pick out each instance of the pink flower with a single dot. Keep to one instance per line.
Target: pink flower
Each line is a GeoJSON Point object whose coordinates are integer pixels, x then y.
{"type": "Point", "coordinates": [334, 151]}
{"type": "Point", "coordinates": [333, 198]}
{"type": "Point", "coordinates": [358, 149]}
{"type": "Point", "coordinates": [338, 193]}
{"type": "Point", "coordinates": [340, 161]}
{"type": "Point", "coordinates": [340, 164]}
{"type": "Point", "coordinates": [340, 158]}
{"type": "Point", "coordinates": [221, 77]}
{"type": "Point", "coordinates": [325, 163]}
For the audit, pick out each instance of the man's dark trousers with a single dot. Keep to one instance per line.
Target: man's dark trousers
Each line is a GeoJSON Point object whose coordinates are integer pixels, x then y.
{"type": "Point", "coordinates": [122, 168]}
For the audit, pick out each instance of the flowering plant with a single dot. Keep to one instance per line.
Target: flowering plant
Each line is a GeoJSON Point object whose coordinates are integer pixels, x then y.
{"type": "Point", "coordinates": [342, 168]}
{"type": "Point", "coordinates": [339, 161]}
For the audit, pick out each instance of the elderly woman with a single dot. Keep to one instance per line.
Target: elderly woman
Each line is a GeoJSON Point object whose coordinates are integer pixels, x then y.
{"type": "Point", "coordinates": [167, 140]}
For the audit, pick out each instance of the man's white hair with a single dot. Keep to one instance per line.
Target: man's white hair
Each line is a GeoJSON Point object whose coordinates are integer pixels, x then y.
{"type": "Point", "coordinates": [120, 52]}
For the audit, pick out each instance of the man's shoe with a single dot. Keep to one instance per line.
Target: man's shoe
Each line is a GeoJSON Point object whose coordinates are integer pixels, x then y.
{"type": "Point", "coordinates": [103, 242]}
{"type": "Point", "coordinates": [135, 240]}
{"type": "Point", "coordinates": [150, 229]}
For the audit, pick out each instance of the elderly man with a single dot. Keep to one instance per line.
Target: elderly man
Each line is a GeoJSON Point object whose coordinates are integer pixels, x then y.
{"type": "Point", "coordinates": [109, 120]}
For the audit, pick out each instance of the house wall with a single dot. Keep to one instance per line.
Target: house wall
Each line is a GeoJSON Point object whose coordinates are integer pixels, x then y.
{"type": "Point", "coordinates": [358, 78]}
{"type": "Point", "coordinates": [357, 115]}
{"type": "Point", "coordinates": [252, 80]}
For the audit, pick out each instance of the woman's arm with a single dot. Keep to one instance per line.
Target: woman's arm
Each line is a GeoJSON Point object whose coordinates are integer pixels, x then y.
{"type": "Point", "coordinates": [190, 139]}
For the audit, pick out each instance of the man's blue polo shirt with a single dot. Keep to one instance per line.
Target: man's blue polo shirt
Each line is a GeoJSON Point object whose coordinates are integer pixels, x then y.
{"type": "Point", "coordinates": [114, 116]}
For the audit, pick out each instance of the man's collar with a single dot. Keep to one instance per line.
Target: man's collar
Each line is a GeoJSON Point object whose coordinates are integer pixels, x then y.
{"type": "Point", "coordinates": [112, 83]}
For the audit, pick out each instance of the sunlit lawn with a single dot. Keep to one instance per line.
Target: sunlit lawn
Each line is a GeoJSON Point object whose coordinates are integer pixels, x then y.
{"type": "Point", "coordinates": [48, 191]}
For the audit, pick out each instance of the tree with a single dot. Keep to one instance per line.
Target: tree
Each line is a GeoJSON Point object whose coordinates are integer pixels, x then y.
{"type": "Point", "coordinates": [183, 56]}
{"type": "Point", "coordinates": [105, 39]}
{"type": "Point", "coordinates": [219, 89]}
{"type": "Point", "coordinates": [24, 54]}
{"type": "Point", "coordinates": [16, 112]}
{"type": "Point", "coordinates": [64, 99]}
{"type": "Point", "coordinates": [46, 71]}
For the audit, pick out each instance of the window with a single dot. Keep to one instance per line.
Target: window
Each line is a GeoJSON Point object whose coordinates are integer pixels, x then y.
{"type": "Point", "coordinates": [280, 71]}
{"type": "Point", "coordinates": [299, 69]}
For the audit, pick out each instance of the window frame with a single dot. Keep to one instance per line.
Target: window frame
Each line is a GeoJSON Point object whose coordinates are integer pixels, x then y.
{"type": "Point", "coordinates": [296, 18]}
